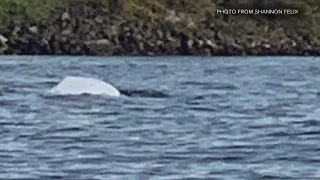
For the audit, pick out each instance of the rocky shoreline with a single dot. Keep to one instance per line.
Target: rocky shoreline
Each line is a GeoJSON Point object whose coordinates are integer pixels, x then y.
{"type": "Point", "coordinates": [90, 29]}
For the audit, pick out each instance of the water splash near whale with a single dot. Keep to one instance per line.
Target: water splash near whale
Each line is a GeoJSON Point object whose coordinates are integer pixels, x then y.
{"type": "Point", "coordinates": [76, 85]}
{"type": "Point", "coordinates": [144, 93]}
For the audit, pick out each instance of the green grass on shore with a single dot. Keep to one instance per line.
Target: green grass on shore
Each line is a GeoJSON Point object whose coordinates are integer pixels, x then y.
{"type": "Point", "coordinates": [34, 10]}
{"type": "Point", "coordinates": [22, 10]}
{"type": "Point", "coordinates": [37, 9]}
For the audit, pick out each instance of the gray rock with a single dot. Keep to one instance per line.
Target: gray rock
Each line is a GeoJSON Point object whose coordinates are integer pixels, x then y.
{"type": "Point", "coordinates": [211, 44]}
{"type": "Point", "coordinates": [160, 34]}
{"type": "Point", "coordinates": [3, 45]}
{"type": "Point", "coordinates": [191, 24]}
{"type": "Point", "coordinates": [33, 29]}
{"type": "Point", "coordinates": [266, 45]}
{"type": "Point", "coordinates": [173, 45]}
{"type": "Point", "coordinates": [66, 32]}
{"type": "Point", "coordinates": [207, 52]}
{"type": "Point", "coordinates": [190, 43]}
{"type": "Point", "coordinates": [98, 42]}
{"type": "Point", "coordinates": [141, 46]}
{"type": "Point", "coordinates": [114, 31]}
{"type": "Point", "coordinates": [98, 19]}
{"type": "Point", "coordinates": [172, 17]}
{"type": "Point", "coordinates": [16, 30]}
{"type": "Point", "coordinates": [100, 47]}
{"type": "Point", "coordinates": [139, 37]}
{"type": "Point", "coordinates": [65, 16]}
{"type": "Point", "coordinates": [151, 53]}
{"type": "Point", "coordinates": [200, 42]}
{"type": "Point", "coordinates": [44, 41]}
{"type": "Point", "coordinates": [126, 29]}
{"type": "Point", "coordinates": [3, 39]}
{"type": "Point", "coordinates": [159, 43]}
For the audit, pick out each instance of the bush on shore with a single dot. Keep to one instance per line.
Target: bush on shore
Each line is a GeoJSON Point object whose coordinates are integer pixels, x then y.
{"type": "Point", "coordinates": [36, 9]}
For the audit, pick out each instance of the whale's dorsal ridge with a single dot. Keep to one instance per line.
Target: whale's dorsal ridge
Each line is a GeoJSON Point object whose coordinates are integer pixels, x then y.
{"type": "Point", "coordinates": [76, 85]}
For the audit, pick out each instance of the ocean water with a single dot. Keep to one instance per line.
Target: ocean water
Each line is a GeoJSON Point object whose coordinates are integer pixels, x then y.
{"type": "Point", "coordinates": [221, 118]}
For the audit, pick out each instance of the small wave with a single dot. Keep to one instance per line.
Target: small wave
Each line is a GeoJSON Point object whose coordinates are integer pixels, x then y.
{"type": "Point", "coordinates": [144, 93]}
{"type": "Point", "coordinates": [70, 97]}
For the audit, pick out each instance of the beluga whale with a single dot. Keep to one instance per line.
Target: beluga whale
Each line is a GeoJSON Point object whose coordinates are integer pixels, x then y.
{"type": "Point", "coordinates": [77, 85]}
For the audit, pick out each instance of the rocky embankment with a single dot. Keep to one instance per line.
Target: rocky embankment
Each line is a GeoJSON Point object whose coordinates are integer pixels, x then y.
{"type": "Point", "coordinates": [90, 29]}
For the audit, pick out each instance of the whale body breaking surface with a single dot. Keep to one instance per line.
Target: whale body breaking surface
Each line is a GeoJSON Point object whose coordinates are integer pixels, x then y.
{"type": "Point", "coordinates": [75, 85]}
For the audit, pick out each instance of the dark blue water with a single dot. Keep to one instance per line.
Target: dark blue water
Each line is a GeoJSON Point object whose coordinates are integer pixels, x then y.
{"type": "Point", "coordinates": [183, 118]}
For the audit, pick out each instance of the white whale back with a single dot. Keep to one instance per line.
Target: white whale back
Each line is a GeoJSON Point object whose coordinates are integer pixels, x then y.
{"type": "Point", "coordinates": [74, 85]}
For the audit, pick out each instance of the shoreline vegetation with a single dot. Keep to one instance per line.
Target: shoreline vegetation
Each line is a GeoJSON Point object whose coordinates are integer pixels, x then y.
{"type": "Point", "coordinates": [160, 27]}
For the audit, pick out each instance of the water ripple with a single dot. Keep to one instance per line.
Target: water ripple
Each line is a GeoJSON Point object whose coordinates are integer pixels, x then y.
{"type": "Point", "coordinates": [180, 118]}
